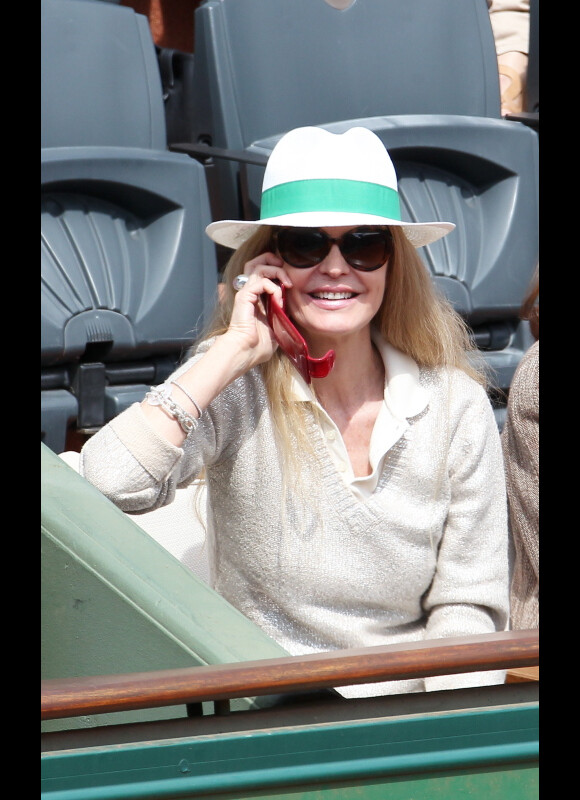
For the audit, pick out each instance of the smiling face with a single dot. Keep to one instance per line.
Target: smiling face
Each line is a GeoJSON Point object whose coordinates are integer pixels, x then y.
{"type": "Point", "coordinates": [332, 299]}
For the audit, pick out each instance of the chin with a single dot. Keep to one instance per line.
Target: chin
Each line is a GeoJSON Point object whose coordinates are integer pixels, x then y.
{"type": "Point", "coordinates": [333, 328]}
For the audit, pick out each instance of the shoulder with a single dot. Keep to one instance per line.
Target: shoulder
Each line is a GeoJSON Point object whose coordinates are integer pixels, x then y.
{"type": "Point", "coordinates": [410, 388]}
{"type": "Point", "coordinates": [460, 406]}
{"type": "Point", "coordinates": [528, 368]}
{"type": "Point", "coordinates": [526, 377]}
{"type": "Point", "coordinates": [523, 399]}
{"type": "Point", "coordinates": [454, 385]}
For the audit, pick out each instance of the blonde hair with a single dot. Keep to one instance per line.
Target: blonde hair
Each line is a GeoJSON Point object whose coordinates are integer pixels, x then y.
{"type": "Point", "coordinates": [414, 317]}
{"type": "Point", "coordinates": [418, 320]}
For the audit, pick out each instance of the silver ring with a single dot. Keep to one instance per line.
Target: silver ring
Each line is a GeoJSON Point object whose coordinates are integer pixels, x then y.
{"type": "Point", "coordinates": [240, 281]}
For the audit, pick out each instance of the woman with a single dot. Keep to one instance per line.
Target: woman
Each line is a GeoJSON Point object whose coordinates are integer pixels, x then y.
{"type": "Point", "coordinates": [365, 507]}
{"type": "Point", "coordinates": [521, 446]}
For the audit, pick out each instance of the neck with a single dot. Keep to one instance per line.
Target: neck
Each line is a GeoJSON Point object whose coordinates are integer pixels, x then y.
{"type": "Point", "coordinates": [358, 375]}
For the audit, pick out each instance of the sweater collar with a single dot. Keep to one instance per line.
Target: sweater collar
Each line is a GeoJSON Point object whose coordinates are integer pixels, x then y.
{"type": "Point", "coordinates": [404, 395]}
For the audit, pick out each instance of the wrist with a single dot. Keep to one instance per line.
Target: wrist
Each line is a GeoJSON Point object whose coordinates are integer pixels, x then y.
{"type": "Point", "coordinates": [234, 356]}
{"type": "Point", "coordinates": [161, 396]}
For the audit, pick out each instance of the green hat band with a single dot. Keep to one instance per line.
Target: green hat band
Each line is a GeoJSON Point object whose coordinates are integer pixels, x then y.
{"type": "Point", "coordinates": [353, 197]}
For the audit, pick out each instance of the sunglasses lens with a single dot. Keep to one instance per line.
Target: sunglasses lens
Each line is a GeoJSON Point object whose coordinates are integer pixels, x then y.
{"type": "Point", "coordinates": [362, 249]}
{"type": "Point", "coordinates": [366, 250]}
{"type": "Point", "coordinates": [302, 247]}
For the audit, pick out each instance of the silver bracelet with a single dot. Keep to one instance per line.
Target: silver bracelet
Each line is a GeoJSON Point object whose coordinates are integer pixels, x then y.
{"type": "Point", "coordinates": [160, 396]}
{"type": "Point", "coordinates": [189, 397]}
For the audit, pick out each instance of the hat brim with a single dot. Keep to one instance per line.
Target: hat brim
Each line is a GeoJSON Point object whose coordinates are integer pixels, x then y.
{"type": "Point", "coordinates": [233, 233]}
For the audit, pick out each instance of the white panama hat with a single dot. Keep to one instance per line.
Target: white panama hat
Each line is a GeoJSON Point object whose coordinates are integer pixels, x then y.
{"type": "Point", "coordinates": [316, 179]}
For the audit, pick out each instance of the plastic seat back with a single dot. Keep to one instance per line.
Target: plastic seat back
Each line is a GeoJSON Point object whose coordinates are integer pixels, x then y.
{"type": "Point", "coordinates": [316, 64]}
{"type": "Point", "coordinates": [100, 85]}
{"type": "Point", "coordinates": [424, 77]}
{"type": "Point", "coordinates": [128, 274]}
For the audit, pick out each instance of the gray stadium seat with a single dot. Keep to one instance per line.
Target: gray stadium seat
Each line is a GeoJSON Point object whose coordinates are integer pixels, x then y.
{"type": "Point", "coordinates": [127, 272]}
{"type": "Point", "coordinates": [423, 76]}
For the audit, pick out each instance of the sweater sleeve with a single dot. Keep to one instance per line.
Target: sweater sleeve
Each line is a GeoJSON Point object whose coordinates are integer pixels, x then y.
{"type": "Point", "coordinates": [470, 591]}
{"type": "Point", "coordinates": [131, 464]}
{"type": "Point", "coordinates": [138, 469]}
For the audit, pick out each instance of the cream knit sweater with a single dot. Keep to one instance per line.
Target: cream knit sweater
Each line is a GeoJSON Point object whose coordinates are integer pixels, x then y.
{"type": "Point", "coordinates": [425, 557]}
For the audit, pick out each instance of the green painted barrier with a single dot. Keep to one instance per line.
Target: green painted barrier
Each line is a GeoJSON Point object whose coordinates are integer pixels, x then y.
{"type": "Point", "coordinates": [115, 601]}
{"type": "Point", "coordinates": [478, 754]}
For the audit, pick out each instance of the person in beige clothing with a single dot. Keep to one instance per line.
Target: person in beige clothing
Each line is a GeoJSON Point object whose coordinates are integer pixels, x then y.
{"type": "Point", "coordinates": [358, 502]}
{"type": "Point", "coordinates": [520, 441]}
{"type": "Point", "coordinates": [510, 21]}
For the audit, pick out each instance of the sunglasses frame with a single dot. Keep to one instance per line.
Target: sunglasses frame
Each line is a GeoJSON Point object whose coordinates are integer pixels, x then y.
{"type": "Point", "coordinates": [330, 240]}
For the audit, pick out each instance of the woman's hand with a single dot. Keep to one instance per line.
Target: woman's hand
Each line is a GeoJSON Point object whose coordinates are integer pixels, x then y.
{"type": "Point", "coordinates": [247, 342]}
{"type": "Point", "coordinates": [249, 329]}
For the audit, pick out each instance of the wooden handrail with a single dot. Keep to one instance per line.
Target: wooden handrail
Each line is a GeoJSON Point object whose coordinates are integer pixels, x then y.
{"type": "Point", "coordinates": [105, 693]}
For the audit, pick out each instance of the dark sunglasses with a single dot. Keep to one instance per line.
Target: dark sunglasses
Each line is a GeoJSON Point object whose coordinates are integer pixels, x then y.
{"type": "Point", "coordinates": [361, 248]}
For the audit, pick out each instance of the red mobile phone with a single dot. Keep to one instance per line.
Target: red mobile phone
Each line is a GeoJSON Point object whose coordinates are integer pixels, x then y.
{"type": "Point", "coordinates": [293, 343]}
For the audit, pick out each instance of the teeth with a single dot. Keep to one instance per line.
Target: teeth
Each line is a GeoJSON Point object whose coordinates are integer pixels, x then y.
{"type": "Point", "coordinates": [334, 295]}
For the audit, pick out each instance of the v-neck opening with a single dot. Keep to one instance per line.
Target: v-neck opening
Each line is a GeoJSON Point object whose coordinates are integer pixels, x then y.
{"type": "Point", "coordinates": [347, 503]}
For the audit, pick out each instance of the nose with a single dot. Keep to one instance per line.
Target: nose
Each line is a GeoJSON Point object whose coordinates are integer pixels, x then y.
{"type": "Point", "coordinates": [334, 263]}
